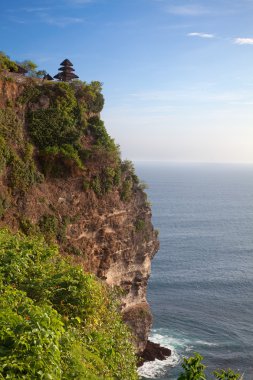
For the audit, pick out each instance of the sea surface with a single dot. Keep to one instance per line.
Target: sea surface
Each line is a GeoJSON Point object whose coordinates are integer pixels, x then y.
{"type": "Point", "coordinates": [201, 287]}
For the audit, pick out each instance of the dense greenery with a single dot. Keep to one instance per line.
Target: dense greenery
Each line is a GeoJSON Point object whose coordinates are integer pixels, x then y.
{"type": "Point", "coordinates": [31, 68]}
{"type": "Point", "coordinates": [55, 320]}
{"type": "Point", "coordinates": [6, 63]}
{"type": "Point", "coordinates": [63, 124]}
{"type": "Point", "coordinates": [60, 122]}
{"type": "Point", "coordinates": [195, 370]}
{"type": "Point", "coordinates": [22, 171]}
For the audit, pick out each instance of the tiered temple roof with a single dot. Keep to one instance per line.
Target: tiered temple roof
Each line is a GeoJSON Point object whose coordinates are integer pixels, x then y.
{"type": "Point", "coordinates": [48, 77]}
{"type": "Point", "coordinates": [66, 72]}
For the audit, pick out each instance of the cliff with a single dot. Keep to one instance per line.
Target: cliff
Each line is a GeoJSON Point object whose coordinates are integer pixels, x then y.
{"type": "Point", "coordinates": [61, 176]}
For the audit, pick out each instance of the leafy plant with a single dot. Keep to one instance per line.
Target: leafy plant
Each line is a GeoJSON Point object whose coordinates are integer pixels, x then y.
{"type": "Point", "coordinates": [195, 370]}
{"type": "Point", "coordinates": [126, 191]}
{"type": "Point", "coordinates": [140, 225]}
{"type": "Point", "coordinates": [29, 338]}
{"type": "Point", "coordinates": [51, 127]}
{"type": "Point", "coordinates": [23, 172]}
{"type": "Point", "coordinates": [64, 311]}
{"type": "Point", "coordinates": [31, 68]}
{"type": "Point", "coordinates": [6, 63]}
{"type": "Point", "coordinates": [60, 161]}
{"type": "Point", "coordinates": [226, 375]}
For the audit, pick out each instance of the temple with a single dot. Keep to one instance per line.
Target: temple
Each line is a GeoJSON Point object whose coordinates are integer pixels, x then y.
{"type": "Point", "coordinates": [47, 77]}
{"type": "Point", "coordinates": [66, 72]}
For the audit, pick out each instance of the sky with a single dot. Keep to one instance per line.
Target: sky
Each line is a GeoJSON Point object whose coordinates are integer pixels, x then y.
{"type": "Point", "coordinates": [177, 74]}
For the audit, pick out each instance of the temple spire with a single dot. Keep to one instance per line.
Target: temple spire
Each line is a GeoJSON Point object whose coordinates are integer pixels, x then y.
{"type": "Point", "coordinates": [66, 72]}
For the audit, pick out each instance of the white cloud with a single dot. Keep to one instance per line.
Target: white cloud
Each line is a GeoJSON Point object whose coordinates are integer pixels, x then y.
{"type": "Point", "coordinates": [201, 35]}
{"type": "Point", "coordinates": [60, 21]}
{"type": "Point", "coordinates": [35, 9]}
{"type": "Point", "coordinates": [243, 41]}
{"type": "Point", "coordinates": [187, 10]}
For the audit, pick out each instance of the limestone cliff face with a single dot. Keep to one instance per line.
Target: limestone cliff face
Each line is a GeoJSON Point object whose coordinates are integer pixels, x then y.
{"type": "Point", "coordinates": [108, 235]}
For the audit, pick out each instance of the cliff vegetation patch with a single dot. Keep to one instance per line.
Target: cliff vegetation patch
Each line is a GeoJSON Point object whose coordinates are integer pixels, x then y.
{"type": "Point", "coordinates": [56, 321]}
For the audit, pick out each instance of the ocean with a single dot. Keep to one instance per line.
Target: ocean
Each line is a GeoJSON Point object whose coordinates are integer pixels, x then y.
{"type": "Point", "coordinates": [201, 286]}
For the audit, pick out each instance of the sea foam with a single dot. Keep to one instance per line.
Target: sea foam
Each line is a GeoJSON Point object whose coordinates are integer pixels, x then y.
{"type": "Point", "coordinates": [157, 367]}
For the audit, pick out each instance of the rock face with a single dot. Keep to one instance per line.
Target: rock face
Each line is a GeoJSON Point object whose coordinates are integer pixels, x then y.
{"type": "Point", "coordinates": [152, 352]}
{"type": "Point", "coordinates": [111, 237]}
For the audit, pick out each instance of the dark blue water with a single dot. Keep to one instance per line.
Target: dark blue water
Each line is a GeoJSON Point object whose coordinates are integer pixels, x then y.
{"type": "Point", "coordinates": [201, 287]}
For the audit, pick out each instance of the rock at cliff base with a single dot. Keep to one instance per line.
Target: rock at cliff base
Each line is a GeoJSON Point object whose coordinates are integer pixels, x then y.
{"type": "Point", "coordinates": [152, 352]}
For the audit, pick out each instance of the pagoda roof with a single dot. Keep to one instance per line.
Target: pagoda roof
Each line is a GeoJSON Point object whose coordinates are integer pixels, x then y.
{"type": "Point", "coordinates": [66, 69]}
{"type": "Point", "coordinates": [58, 76]}
{"type": "Point", "coordinates": [65, 77]}
{"type": "Point", "coordinates": [66, 62]}
{"type": "Point", "coordinates": [48, 77]}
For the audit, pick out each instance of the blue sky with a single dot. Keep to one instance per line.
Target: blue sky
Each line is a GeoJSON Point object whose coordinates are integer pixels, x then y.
{"type": "Point", "coordinates": [177, 74]}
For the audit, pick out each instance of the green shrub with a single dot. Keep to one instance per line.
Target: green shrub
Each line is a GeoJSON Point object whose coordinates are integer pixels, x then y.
{"type": "Point", "coordinates": [27, 227]}
{"type": "Point", "coordinates": [126, 191]}
{"type": "Point", "coordinates": [60, 161]}
{"type": "Point", "coordinates": [4, 204]}
{"type": "Point", "coordinates": [29, 338]}
{"type": "Point", "coordinates": [88, 345]}
{"type": "Point", "coordinates": [140, 225]}
{"type": "Point", "coordinates": [99, 132]}
{"type": "Point", "coordinates": [226, 375]}
{"type": "Point", "coordinates": [30, 93]}
{"type": "Point", "coordinates": [66, 151]}
{"type": "Point", "coordinates": [51, 127]}
{"type": "Point", "coordinates": [89, 95]}
{"type": "Point", "coordinates": [48, 225]}
{"type": "Point", "coordinates": [23, 173]}
{"type": "Point", "coordinates": [105, 181]}
{"type": "Point", "coordinates": [96, 186]}
{"type": "Point", "coordinates": [6, 63]}
{"type": "Point", "coordinates": [11, 127]}
{"type": "Point", "coordinates": [60, 123]}
{"type": "Point", "coordinates": [195, 370]}
{"type": "Point", "coordinates": [4, 154]}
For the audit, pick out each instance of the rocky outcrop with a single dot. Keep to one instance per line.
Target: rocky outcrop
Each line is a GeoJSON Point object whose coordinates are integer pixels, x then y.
{"type": "Point", "coordinates": [152, 352]}
{"type": "Point", "coordinates": [109, 236]}
{"type": "Point", "coordinates": [102, 235]}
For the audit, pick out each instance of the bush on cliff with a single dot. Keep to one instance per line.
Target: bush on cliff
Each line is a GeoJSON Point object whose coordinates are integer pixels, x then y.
{"type": "Point", "coordinates": [195, 370]}
{"type": "Point", "coordinates": [6, 63]}
{"type": "Point", "coordinates": [54, 117]}
{"type": "Point", "coordinates": [50, 307]}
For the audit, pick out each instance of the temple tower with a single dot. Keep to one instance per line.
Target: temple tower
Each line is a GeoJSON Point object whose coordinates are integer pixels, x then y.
{"type": "Point", "coordinates": [66, 72]}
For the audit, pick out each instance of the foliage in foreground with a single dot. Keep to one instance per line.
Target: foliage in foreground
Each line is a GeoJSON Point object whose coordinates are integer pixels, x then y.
{"type": "Point", "coordinates": [195, 370]}
{"type": "Point", "coordinates": [56, 322]}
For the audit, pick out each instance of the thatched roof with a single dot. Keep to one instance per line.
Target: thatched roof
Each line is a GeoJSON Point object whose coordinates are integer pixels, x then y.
{"type": "Point", "coordinates": [66, 62]}
{"type": "Point", "coordinates": [48, 77]}
{"type": "Point", "coordinates": [66, 72]}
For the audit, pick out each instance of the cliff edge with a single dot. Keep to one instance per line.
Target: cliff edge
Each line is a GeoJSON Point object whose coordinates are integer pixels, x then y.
{"type": "Point", "coordinates": [61, 176]}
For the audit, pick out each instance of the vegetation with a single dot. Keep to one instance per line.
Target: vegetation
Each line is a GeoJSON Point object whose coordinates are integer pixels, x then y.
{"type": "Point", "coordinates": [89, 96]}
{"type": "Point", "coordinates": [59, 123]}
{"type": "Point", "coordinates": [61, 118]}
{"type": "Point", "coordinates": [140, 225]}
{"type": "Point", "coordinates": [195, 370]}
{"type": "Point", "coordinates": [55, 320]}
{"type": "Point", "coordinates": [31, 68]}
{"type": "Point", "coordinates": [22, 171]}
{"type": "Point", "coordinates": [60, 161]}
{"type": "Point", "coordinates": [6, 63]}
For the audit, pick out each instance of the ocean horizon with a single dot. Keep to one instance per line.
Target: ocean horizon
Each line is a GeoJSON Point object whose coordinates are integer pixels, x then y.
{"type": "Point", "coordinates": [201, 285]}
